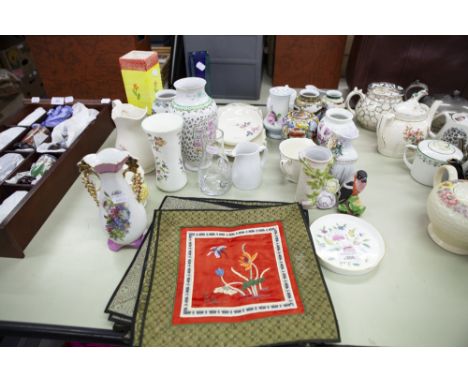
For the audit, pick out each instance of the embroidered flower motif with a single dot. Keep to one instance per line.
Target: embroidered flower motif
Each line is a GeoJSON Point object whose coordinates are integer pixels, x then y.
{"type": "Point", "coordinates": [250, 283]}
{"type": "Point", "coordinates": [246, 260]}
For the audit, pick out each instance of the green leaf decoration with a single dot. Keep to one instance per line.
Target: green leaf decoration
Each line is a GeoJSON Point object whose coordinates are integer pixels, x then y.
{"type": "Point", "coordinates": [248, 284]}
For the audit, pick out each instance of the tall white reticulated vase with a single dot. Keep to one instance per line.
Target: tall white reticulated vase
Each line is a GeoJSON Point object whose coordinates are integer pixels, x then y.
{"type": "Point", "coordinates": [121, 211]}
{"type": "Point", "coordinates": [164, 132]}
{"type": "Point", "coordinates": [199, 112]}
{"type": "Point", "coordinates": [130, 137]}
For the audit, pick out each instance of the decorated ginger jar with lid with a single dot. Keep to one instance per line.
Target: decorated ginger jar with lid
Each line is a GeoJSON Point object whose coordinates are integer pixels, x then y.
{"type": "Point", "coordinates": [447, 208]}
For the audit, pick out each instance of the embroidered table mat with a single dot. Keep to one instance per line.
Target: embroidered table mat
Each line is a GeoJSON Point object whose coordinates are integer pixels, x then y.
{"type": "Point", "coordinates": [121, 305]}
{"type": "Point", "coordinates": [232, 278]}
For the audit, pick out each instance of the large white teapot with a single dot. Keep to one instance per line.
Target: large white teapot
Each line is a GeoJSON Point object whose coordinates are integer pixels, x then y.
{"type": "Point", "coordinates": [408, 123]}
{"type": "Point", "coordinates": [447, 207]}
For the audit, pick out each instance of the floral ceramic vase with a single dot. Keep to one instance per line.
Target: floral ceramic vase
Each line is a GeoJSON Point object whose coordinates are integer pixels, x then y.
{"type": "Point", "coordinates": [130, 136]}
{"type": "Point", "coordinates": [280, 100]}
{"type": "Point", "coordinates": [316, 187]}
{"type": "Point", "coordinates": [121, 211]}
{"type": "Point", "coordinates": [165, 136]}
{"type": "Point", "coordinates": [447, 208]}
{"type": "Point", "coordinates": [199, 113]}
{"type": "Point", "coordinates": [336, 131]}
{"type": "Point", "coordinates": [163, 101]}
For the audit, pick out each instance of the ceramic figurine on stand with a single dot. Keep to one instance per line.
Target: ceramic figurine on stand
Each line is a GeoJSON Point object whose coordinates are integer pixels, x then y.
{"type": "Point", "coordinates": [130, 136]}
{"type": "Point", "coordinates": [121, 211]}
{"type": "Point", "coordinates": [199, 112]}
{"type": "Point", "coordinates": [163, 101]}
{"type": "Point", "coordinates": [164, 132]}
{"type": "Point", "coordinates": [349, 201]}
{"type": "Point", "coordinates": [279, 102]}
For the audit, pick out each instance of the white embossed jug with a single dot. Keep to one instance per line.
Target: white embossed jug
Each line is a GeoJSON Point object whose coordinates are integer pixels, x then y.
{"type": "Point", "coordinates": [130, 136]}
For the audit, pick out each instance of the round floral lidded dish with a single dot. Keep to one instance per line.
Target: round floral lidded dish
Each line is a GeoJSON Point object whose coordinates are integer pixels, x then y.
{"type": "Point", "coordinates": [300, 122]}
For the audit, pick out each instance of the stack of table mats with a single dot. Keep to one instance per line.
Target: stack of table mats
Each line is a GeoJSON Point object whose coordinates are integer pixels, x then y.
{"type": "Point", "coordinates": [225, 273]}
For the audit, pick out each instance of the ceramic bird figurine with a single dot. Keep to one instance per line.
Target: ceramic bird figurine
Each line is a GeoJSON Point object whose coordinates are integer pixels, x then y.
{"type": "Point", "coordinates": [349, 201]}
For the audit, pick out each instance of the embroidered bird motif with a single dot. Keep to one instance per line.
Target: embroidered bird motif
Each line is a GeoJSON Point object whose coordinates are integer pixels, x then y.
{"type": "Point", "coordinates": [217, 251]}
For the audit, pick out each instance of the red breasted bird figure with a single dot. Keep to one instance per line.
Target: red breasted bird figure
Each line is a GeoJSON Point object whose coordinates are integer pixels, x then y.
{"type": "Point", "coordinates": [349, 202]}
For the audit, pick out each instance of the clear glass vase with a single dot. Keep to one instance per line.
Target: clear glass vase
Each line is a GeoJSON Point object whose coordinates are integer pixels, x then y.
{"type": "Point", "coordinates": [214, 174]}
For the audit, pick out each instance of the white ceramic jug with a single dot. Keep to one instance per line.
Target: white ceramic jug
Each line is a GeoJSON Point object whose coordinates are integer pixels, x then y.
{"type": "Point", "coordinates": [248, 164]}
{"type": "Point", "coordinates": [130, 136]}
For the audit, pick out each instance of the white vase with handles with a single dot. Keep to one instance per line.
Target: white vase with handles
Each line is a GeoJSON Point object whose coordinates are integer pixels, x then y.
{"type": "Point", "coordinates": [122, 214]}
{"type": "Point", "coordinates": [164, 133]}
{"type": "Point", "coordinates": [130, 136]}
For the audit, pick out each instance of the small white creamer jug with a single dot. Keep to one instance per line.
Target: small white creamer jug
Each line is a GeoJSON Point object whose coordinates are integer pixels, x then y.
{"type": "Point", "coordinates": [248, 164]}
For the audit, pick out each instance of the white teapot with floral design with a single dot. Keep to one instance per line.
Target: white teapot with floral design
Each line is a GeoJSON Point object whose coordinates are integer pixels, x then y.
{"type": "Point", "coordinates": [447, 207]}
{"type": "Point", "coordinates": [408, 123]}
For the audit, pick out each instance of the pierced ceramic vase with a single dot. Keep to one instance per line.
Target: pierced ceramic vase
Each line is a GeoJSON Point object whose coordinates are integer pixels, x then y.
{"type": "Point", "coordinates": [130, 136]}
{"type": "Point", "coordinates": [121, 211]}
{"type": "Point", "coordinates": [199, 112]}
{"type": "Point", "coordinates": [164, 132]}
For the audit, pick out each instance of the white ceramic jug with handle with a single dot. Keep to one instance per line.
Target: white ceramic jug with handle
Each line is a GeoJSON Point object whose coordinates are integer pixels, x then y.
{"type": "Point", "coordinates": [248, 165]}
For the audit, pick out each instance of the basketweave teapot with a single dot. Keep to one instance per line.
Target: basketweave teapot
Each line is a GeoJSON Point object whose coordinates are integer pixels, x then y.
{"type": "Point", "coordinates": [408, 123]}
{"type": "Point", "coordinates": [447, 208]}
{"type": "Point", "coordinates": [380, 98]}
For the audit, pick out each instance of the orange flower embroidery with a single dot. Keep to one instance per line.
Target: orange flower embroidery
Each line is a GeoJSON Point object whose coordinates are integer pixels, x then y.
{"type": "Point", "coordinates": [246, 260]}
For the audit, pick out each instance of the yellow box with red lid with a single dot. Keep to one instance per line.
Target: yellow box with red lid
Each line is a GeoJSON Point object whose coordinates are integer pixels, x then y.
{"type": "Point", "coordinates": [141, 77]}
